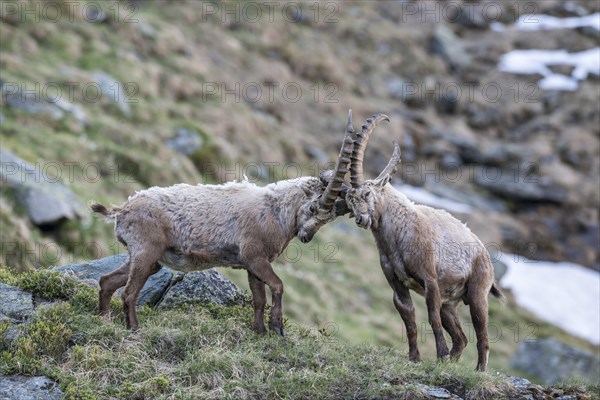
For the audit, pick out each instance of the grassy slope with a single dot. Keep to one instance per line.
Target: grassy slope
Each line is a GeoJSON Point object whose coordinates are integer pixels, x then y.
{"type": "Point", "coordinates": [346, 293]}
{"type": "Point", "coordinates": [210, 352]}
{"type": "Point", "coordinates": [348, 297]}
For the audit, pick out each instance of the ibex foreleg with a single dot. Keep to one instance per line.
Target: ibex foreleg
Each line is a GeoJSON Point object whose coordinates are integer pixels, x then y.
{"type": "Point", "coordinates": [259, 300]}
{"type": "Point", "coordinates": [264, 272]}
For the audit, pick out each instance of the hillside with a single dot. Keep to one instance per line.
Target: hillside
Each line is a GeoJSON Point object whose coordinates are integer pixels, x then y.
{"type": "Point", "coordinates": [161, 94]}
{"type": "Point", "coordinates": [210, 352]}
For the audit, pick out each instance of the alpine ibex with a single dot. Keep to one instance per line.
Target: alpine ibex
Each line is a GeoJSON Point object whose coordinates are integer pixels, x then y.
{"type": "Point", "coordinates": [425, 250]}
{"type": "Point", "coordinates": [240, 225]}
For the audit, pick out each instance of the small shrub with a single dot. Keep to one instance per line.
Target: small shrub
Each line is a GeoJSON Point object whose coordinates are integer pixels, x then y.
{"type": "Point", "coordinates": [48, 334]}
{"type": "Point", "coordinates": [75, 392]}
{"type": "Point", "coordinates": [4, 326]}
{"type": "Point", "coordinates": [85, 299]}
{"type": "Point", "coordinates": [8, 276]}
{"type": "Point", "coordinates": [155, 386]}
{"type": "Point", "coordinates": [51, 285]}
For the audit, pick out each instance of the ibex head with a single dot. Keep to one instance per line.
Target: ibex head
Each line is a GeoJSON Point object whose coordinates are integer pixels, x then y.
{"type": "Point", "coordinates": [363, 198]}
{"type": "Point", "coordinates": [320, 209]}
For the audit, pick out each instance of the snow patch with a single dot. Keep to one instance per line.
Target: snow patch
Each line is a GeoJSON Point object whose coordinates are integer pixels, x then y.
{"type": "Point", "coordinates": [538, 61]}
{"type": "Point", "coordinates": [542, 22]}
{"type": "Point", "coordinates": [558, 82]}
{"type": "Point", "coordinates": [562, 293]}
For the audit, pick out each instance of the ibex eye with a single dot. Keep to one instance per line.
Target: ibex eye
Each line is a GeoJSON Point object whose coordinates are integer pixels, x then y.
{"type": "Point", "coordinates": [312, 209]}
{"type": "Point", "coordinates": [367, 194]}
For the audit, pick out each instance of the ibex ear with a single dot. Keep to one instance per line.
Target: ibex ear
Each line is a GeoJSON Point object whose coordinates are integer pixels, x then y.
{"type": "Point", "coordinates": [308, 191]}
{"type": "Point", "coordinates": [326, 176]}
{"type": "Point", "coordinates": [381, 182]}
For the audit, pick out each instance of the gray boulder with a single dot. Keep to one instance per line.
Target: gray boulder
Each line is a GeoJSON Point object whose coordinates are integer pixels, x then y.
{"type": "Point", "coordinates": [29, 388]}
{"type": "Point", "coordinates": [112, 89]}
{"type": "Point", "coordinates": [207, 286]}
{"type": "Point", "coordinates": [36, 103]}
{"type": "Point", "coordinates": [450, 48]}
{"type": "Point", "coordinates": [46, 200]}
{"type": "Point", "coordinates": [482, 116]}
{"type": "Point", "coordinates": [33, 103]}
{"type": "Point", "coordinates": [186, 141]}
{"type": "Point", "coordinates": [551, 361]}
{"type": "Point", "coordinates": [433, 392]}
{"type": "Point", "coordinates": [317, 153]}
{"type": "Point", "coordinates": [519, 187]}
{"type": "Point", "coordinates": [90, 272]}
{"type": "Point", "coordinates": [15, 303]}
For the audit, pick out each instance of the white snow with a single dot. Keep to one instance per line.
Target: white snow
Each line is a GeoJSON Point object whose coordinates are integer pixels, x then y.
{"type": "Point", "coordinates": [564, 294]}
{"type": "Point", "coordinates": [497, 26]}
{"type": "Point", "coordinates": [558, 82]}
{"type": "Point", "coordinates": [538, 61]}
{"type": "Point", "coordinates": [422, 196]}
{"type": "Point", "coordinates": [542, 22]}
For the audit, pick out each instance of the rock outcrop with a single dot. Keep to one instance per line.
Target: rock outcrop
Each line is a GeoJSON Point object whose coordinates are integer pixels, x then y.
{"type": "Point", "coordinates": [29, 388]}
{"type": "Point", "coordinates": [551, 361]}
{"type": "Point", "coordinates": [91, 271]}
{"type": "Point", "coordinates": [15, 304]}
{"type": "Point", "coordinates": [207, 286]}
{"type": "Point", "coordinates": [166, 288]}
{"type": "Point", "coordinates": [46, 200]}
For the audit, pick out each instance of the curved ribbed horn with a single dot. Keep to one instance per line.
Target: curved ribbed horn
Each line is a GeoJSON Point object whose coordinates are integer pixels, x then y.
{"type": "Point", "coordinates": [360, 144]}
{"type": "Point", "coordinates": [334, 187]}
{"type": "Point", "coordinates": [392, 165]}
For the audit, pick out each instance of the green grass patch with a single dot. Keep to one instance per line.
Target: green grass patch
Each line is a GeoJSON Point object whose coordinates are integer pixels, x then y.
{"type": "Point", "coordinates": [211, 352]}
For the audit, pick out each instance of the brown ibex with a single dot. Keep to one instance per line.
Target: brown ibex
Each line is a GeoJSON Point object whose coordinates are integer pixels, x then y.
{"type": "Point", "coordinates": [240, 225]}
{"type": "Point", "coordinates": [425, 250]}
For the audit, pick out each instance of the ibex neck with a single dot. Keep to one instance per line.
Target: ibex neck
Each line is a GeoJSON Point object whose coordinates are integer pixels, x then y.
{"type": "Point", "coordinates": [286, 198]}
{"type": "Point", "coordinates": [392, 208]}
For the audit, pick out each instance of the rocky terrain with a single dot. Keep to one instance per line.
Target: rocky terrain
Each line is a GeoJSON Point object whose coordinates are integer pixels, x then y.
{"type": "Point", "coordinates": [100, 102]}
{"type": "Point", "coordinates": [191, 87]}
{"type": "Point", "coordinates": [48, 326]}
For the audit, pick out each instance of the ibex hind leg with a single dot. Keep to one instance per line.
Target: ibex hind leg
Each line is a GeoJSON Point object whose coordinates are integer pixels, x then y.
{"type": "Point", "coordinates": [451, 324]}
{"type": "Point", "coordinates": [143, 264]}
{"type": "Point", "coordinates": [110, 283]}
{"type": "Point", "coordinates": [479, 315]}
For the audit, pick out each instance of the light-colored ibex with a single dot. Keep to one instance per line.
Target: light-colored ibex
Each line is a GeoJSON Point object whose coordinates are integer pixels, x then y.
{"type": "Point", "coordinates": [425, 250]}
{"type": "Point", "coordinates": [240, 225]}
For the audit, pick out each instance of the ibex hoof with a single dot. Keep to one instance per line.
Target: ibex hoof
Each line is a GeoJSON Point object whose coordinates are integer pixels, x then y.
{"type": "Point", "coordinates": [260, 330]}
{"type": "Point", "coordinates": [445, 357]}
{"type": "Point", "coordinates": [278, 330]}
